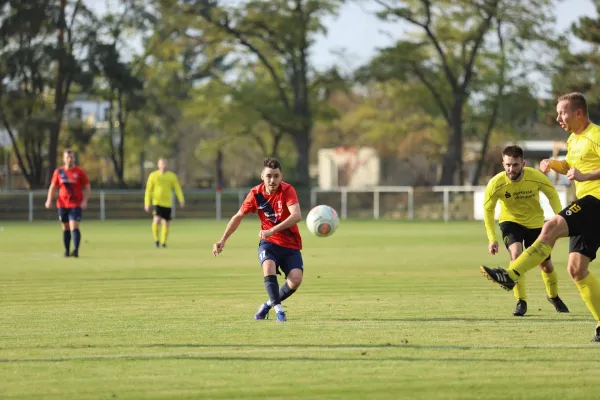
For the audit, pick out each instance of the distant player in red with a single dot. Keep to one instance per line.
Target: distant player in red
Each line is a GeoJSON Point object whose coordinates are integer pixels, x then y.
{"type": "Point", "coordinates": [280, 243]}
{"type": "Point", "coordinates": [73, 193]}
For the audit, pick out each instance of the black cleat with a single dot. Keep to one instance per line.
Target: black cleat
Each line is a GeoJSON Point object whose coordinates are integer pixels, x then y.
{"type": "Point", "coordinates": [156, 244]}
{"type": "Point", "coordinates": [560, 306]}
{"type": "Point", "coordinates": [498, 275]}
{"type": "Point", "coordinates": [164, 246]}
{"type": "Point", "coordinates": [597, 337]}
{"type": "Point", "coordinates": [520, 309]}
{"type": "Point", "coordinates": [75, 253]}
{"type": "Point", "coordinates": [67, 254]}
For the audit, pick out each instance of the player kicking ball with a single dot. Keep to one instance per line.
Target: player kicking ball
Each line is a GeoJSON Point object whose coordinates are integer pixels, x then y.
{"type": "Point", "coordinates": [73, 194]}
{"type": "Point", "coordinates": [521, 219]}
{"type": "Point", "coordinates": [280, 243]}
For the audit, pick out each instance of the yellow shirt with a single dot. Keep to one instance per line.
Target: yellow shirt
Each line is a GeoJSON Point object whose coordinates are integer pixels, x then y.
{"type": "Point", "coordinates": [583, 153]}
{"type": "Point", "coordinates": [159, 189]}
{"type": "Point", "coordinates": [519, 200]}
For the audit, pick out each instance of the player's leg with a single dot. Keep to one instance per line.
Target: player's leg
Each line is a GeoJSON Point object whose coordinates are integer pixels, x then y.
{"type": "Point", "coordinates": [293, 268]}
{"type": "Point", "coordinates": [550, 278]}
{"type": "Point", "coordinates": [515, 249]}
{"type": "Point", "coordinates": [63, 217]}
{"type": "Point", "coordinates": [74, 220]}
{"type": "Point", "coordinates": [268, 259]}
{"type": "Point", "coordinates": [155, 226]}
{"type": "Point", "coordinates": [164, 233]}
{"type": "Point", "coordinates": [582, 250]}
{"type": "Point", "coordinates": [535, 254]}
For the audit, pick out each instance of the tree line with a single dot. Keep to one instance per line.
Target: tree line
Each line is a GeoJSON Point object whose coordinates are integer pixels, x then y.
{"type": "Point", "coordinates": [200, 79]}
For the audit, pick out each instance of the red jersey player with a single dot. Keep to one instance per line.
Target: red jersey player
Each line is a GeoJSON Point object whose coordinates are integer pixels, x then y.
{"type": "Point", "coordinates": [280, 243]}
{"type": "Point", "coordinates": [74, 191]}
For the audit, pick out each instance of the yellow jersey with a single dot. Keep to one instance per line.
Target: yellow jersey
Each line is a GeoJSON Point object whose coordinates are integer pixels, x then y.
{"type": "Point", "coordinates": [583, 153]}
{"type": "Point", "coordinates": [519, 200]}
{"type": "Point", "coordinates": [160, 187]}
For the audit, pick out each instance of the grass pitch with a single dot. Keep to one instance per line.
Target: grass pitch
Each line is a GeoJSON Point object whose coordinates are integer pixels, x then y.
{"type": "Point", "coordinates": [388, 310]}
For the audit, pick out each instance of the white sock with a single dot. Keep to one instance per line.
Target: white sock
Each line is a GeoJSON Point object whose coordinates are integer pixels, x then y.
{"type": "Point", "coordinates": [269, 303]}
{"type": "Point", "coordinates": [278, 308]}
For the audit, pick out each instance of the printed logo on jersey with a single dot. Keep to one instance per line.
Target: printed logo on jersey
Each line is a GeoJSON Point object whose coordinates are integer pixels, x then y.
{"type": "Point", "coordinates": [507, 195]}
{"type": "Point", "coordinates": [267, 209]}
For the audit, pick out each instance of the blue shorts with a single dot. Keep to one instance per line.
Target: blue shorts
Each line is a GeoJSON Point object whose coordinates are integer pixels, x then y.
{"type": "Point", "coordinates": [69, 214]}
{"type": "Point", "coordinates": [286, 259]}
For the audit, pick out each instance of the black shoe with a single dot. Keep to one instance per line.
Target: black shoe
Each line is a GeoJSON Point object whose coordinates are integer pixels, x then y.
{"type": "Point", "coordinates": [520, 309]}
{"type": "Point", "coordinates": [164, 246]}
{"type": "Point", "coordinates": [558, 304]}
{"type": "Point", "coordinates": [67, 254]}
{"type": "Point", "coordinates": [156, 244]}
{"type": "Point", "coordinates": [498, 275]}
{"type": "Point", "coordinates": [597, 337]}
{"type": "Point", "coordinates": [75, 253]}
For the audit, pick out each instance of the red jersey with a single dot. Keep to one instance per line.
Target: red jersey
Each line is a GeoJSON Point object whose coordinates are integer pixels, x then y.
{"type": "Point", "coordinates": [70, 183]}
{"type": "Point", "coordinates": [273, 210]}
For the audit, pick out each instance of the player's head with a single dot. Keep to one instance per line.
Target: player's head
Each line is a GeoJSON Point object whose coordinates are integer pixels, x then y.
{"type": "Point", "coordinates": [572, 110]}
{"type": "Point", "coordinates": [512, 160]}
{"type": "Point", "coordinates": [271, 174]}
{"type": "Point", "coordinates": [69, 158]}
{"type": "Point", "coordinates": [162, 164]}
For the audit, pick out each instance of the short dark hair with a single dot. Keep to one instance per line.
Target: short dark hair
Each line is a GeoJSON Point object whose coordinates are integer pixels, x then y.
{"type": "Point", "coordinates": [513, 151]}
{"type": "Point", "coordinates": [68, 151]}
{"type": "Point", "coordinates": [576, 101]}
{"type": "Point", "coordinates": [272, 163]}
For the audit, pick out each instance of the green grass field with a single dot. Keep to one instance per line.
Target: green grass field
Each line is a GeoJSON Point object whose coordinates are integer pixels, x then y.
{"type": "Point", "coordinates": [387, 310]}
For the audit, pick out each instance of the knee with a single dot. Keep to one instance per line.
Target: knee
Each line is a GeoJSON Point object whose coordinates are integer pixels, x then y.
{"type": "Point", "coordinates": [294, 280]}
{"type": "Point", "coordinates": [577, 272]}
{"type": "Point", "coordinates": [547, 267]}
{"type": "Point", "coordinates": [551, 229]}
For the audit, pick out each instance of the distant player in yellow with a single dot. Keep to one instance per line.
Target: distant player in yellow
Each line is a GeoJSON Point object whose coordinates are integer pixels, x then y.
{"type": "Point", "coordinates": [580, 221]}
{"type": "Point", "coordinates": [521, 219]}
{"type": "Point", "coordinates": [159, 198]}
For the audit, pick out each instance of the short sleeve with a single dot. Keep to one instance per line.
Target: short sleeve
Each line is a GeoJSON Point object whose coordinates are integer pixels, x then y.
{"type": "Point", "coordinates": [291, 197]}
{"type": "Point", "coordinates": [249, 204]}
{"type": "Point", "coordinates": [55, 180]}
{"type": "Point", "coordinates": [83, 178]}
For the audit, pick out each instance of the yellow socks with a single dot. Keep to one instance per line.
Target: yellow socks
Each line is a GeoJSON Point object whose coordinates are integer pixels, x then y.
{"type": "Point", "coordinates": [551, 282]}
{"type": "Point", "coordinates": [155, 231]}
{"type": "Point", "coordinates": [530, 258]}
{"type": "Point", "coordinates": [164, 234]}
{"type": "Point", "coordinates": [519, 290]}
{"type": "Point", "coordinates": [589, 288]}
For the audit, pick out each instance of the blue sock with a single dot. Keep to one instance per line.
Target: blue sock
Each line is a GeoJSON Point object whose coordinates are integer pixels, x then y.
{"type": "Point", "coordinates": [285, 291]}
{"type": "Point", "coordinates": [272, 289]}
{"type": "Point", "coordinates": [67, 240]}
{"type": "Point", "coordinates": [76, 238]}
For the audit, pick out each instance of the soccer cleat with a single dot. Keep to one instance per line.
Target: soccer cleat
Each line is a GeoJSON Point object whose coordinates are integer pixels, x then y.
{"type": "Point", "coordinates": [75, 253]}
{"type": "Point", "coordinates": [560, 306]}
{"type": "Point", "coordinates": [281, 316]}
{"type": "Point", "coordinates": [67, 254]}
{"type": "Point", "coordinates": [157, 244]}
{"type": "Point", "coordinates": [597, 337]}
{"type": "Point", "coordinates": [263, 312]}
{"type": "Point", "coordinates": [164, 246]}
{"type": "Point", "coordinates": [520, 309]}
{"type": "Point", "coordinates": [498, 275]}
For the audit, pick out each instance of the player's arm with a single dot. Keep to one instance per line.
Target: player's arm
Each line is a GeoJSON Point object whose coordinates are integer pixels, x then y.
{"type": "Point", "coordinates": [178, 191]}
{"type": "Point", "coordinates": [293, 219]}
{"type": "Point", "coordinates": [248, 206]}
{"type": "Point", "coordinates": [148, 193]}
{"type": "Point", "coordinates": [489, 208]}
{"type": "Point", "coordinates": [561, 167]}
{"type": "Point", "coordinates": [550, 191]}
{"type": "Point", "coordinates": [86, 190]}
{"type": "Point", "coordinates": [53, 185]}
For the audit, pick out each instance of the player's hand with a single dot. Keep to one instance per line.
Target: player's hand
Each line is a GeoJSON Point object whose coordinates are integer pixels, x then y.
{"type": "Point", "coordinates": [48, 204]}
{"type": "Point", "coordinates": [83, 204]}
{"type": "Point", "coordinates": [265, 234]}
{"type": "Point", "coordinates": [493, 248]}
{"type": "Point", "coordinates": [147, 208]}
{"type": "Point", "coordinates": [218, 248]}
{"type": "Point", "coordinates": [545, 166]}
{"type": "Point", "coordinates": [182, 204]}
{"type": "Point", "coordinates": [575, 175]}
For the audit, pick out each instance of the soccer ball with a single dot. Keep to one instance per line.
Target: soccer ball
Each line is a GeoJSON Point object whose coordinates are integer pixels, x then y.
{"type": "Point", "coordinates": [322, 221]}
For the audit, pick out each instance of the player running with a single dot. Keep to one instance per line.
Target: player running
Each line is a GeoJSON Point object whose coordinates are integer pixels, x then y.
{"type": "Point", "coordinates": [159, 195]}
{"type": "Point", "coordinates": [580, 220]}
{"type": "Point", "coordinates": [521, 219]}
{"type": "Point", "coordinates": [280, 243]}
{"type": "Point", "coordinates": [73, 194]}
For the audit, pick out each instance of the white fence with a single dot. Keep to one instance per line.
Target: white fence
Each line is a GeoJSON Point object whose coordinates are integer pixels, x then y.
{"type": "Point", "coordinates": [384, 202]}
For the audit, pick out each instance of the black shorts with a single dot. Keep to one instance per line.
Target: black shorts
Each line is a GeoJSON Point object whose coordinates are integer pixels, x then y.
{"type": "Point", "coordinates": [583, 220]}
{"type": "Point", "coordinates": [69, 214]}
{"type": "Point", "coordinates": [516, 233]}
{"type": "Point", "coordinates": [285, 259]}
{"type": "Point", "coordinates": [162, 212]}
